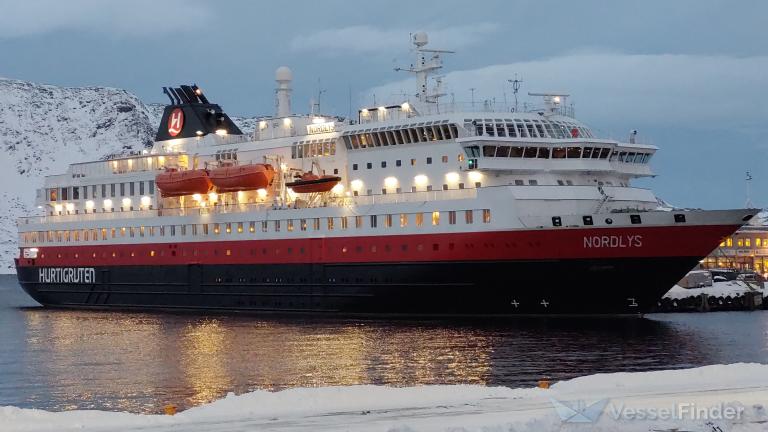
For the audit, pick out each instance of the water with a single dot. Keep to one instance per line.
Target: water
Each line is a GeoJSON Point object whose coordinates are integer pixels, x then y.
{"type": "Point", "coordinates": [138, 362]}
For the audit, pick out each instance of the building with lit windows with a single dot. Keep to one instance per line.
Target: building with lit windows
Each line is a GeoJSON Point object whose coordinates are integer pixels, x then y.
{"type": "Point", "coordinates": [745, 250]}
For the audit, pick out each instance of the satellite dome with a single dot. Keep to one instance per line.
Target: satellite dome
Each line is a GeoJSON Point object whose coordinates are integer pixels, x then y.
{"type": "Point", "coordinates": [283, 73]}
{"type": "Point", "coordinates": [420, 39]}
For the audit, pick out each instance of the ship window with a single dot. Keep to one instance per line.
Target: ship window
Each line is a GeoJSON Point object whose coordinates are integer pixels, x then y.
{"type": "Point", "coordinates": [413, 162]}
{"type": "Point", "coordinates": [369, 165]}
{"type": "Point", "coordinates": [573, 153]}
{"type": "Point", "coordinates": [277, 225]}
{"type": "Point", "coordinates": [452, 217]}
{"type": "Point", "coordinates": [533, 182]}
{"type": "Point", "coordinates": [596, 153]}
{"type": "Point", "coordinates": [587, 153]}
{"type": "Point", "coordinates": [344, 223]}
{"type": "Point", "coordinates": [556, 221]}
{"type": "Point", "coordinates": [383, 164]}
{"type": "Point", "coordinates": [502, 151]}
{"type": "Point", "coordinates": [489, 151]}
{"type": "Point", "coordinates": [228, 228]}
{"type": "Point", "coordinates": [419, 219]}
{"type": "Point", "coordinates": [543, 153]}
{"type": "Point", "coordinates": [587, 220]}
{"type": "Point", "coordinates": [388, 221]}
{"type": "Point", "coordinates": [435, 218]}
{"type": "Point", "coordinates": [316, 224]}
{"type": "Point", "coordinates": [358, 221]}
{"type": "Point", "coordinates": [113, 233]}
{"type": "Point", "coordinates": [264, 227]}
{"type": "Point", "coordinates": [354, 167]}
{"type": "Point", "coordinates": [151, 187]}
{"type": "Point", "coordinates": [403, 220]}
{"type": "Point", "coordinates": [561, 183]}
{"type": "Point", "coordinates": [75, 192]}
{"type": "Point", "coordinates": [740, 243]}
{"type": "Point", "coordinates": [486, 216]}
{"type": "Point", "coordinates": [111, 190]}
{"type": "Point", "coordinates": [530, 152]}
{"type": "Point", "coordinates": [558, 153]}
{"type": "Point", "coordinates": [500, 130]}
{"type": "Point", "coordinates": [239, 227]}
{"type": "Point", "coordinates": [635, 219]}
{"type": "Point", "coordinates": [680, 218]}
{"type": "Point", "coordinates": [373, 221]}
{"type": "Point", "coordinates": [429, 160]}
{"type": "Point", "coordinates": [516, 152]}
{"type": "Point", "coordinates": [330, 224]}
{"type": "Point", "coordinates": [489, 129]}
{"type": "Point", "coordinates": [303, 224]}
{"type": "Point", "coordinates": [540, 129]}
{"type": "Point", "coordinates": [468, 216]}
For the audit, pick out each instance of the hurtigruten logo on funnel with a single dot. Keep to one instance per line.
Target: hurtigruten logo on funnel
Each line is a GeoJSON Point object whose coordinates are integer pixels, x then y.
{"type": "Point", "coordinates": [175, 122]}
{"type": "Point", "coordinates": [67, 275]}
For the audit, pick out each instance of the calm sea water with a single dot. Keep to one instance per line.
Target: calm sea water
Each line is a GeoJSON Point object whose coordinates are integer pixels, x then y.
{"type": "Point", "coordinates": [138, 362]}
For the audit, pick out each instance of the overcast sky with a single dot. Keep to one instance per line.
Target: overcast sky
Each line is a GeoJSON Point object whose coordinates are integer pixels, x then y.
{"type": "Point", "coordinates": [691, 76]}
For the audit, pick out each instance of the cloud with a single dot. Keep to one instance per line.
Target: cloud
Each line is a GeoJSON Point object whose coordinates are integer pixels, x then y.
{"type": "Point", "coordinates": [368, 39]}
{"type": "Point", "coordinates": [130, 18]}
{"type": "Point", "coordinates": [611, 88]}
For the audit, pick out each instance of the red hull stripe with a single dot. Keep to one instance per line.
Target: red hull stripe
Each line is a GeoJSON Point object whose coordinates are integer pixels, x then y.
{"type": "Point", "coordinates": [628, 242]}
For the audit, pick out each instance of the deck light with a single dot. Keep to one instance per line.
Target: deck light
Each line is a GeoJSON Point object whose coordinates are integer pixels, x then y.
{"type": "Point", "coordinates": [390, 182]}
{"type": "Point", "coordinates": [356, 185]}
{"type": "Point", "coordinates": [146, 201]}
{"type": "Point", "coordinates": [452, 177]}
{"type": "Point", "coordinates": [420, 180]}
{"type": "Point", "coordinates": [475, 176]}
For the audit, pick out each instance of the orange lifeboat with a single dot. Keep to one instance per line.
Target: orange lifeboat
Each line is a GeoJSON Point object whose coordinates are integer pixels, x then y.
{"type": "Point", "coordinates": [173, 183]}
{"type": "Point", "coordinates": [313, 183]}
{"type": "Point", "coordinates": [242, 177]}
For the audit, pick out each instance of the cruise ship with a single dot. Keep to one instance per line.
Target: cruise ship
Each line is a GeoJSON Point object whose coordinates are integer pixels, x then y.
{"type": "Point", "coordinates": [418, 208]}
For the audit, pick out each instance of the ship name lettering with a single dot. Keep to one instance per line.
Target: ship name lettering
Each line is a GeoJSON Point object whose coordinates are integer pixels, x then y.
{"type": "Point", "coordinates": [67, 275]}
{"type": "Point", "coordinates": [613, 241]}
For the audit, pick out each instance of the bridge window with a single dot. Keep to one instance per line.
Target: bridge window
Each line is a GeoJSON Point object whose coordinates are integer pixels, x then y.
{"type": "Point", "coordinates": [543, 153]}
{"type": "Point", "coordinates": [530, 152]}
{"type": "Point", "coordinates": [489, 151]}
{"type": "Point", "coordinates": [502, 151]}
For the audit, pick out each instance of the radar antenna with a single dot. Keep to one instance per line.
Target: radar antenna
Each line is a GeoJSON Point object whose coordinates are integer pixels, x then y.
{"type": "Point", "coordinates": [424, 68]}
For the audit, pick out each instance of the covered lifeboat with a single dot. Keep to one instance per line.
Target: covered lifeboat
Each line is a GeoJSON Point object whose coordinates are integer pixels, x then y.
{"type": "Point", "coordinates": [233, 178]}
{"type": "Point", "coordinates": [173, 183]}
{"type": "Point", "coordinates": [313, 183]}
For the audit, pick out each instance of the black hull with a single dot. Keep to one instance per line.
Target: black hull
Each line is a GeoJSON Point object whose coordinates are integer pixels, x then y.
{"type": "Point", "coordinates": [542, 287]}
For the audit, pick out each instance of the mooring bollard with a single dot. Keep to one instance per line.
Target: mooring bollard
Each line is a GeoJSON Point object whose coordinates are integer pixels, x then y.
{"type": "Point", "coordinates": [170, 409]}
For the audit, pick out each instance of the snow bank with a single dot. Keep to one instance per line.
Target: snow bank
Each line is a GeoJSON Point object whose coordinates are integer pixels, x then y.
{"type": "Point", "coordinates": [742, 387]}
{"type": "Point", "coordinates": [718, 289]}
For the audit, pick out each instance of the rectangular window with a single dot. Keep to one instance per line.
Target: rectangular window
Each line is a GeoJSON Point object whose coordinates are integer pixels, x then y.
{"type": "Point", "coordinates": [75, 193]}
{"type": "Point", "coordinates": [264, 226]}
{"type": "Point", "coordinates": [112, 190]}
{"type": "Point", "coordinates": [141, 188]}
{"type": "Point", "coordinates": [452, 217]}
{"type": "Point", "coordinates": [277, 225]}
{"type": "Point", "coordinates": [388, 221]}
{"type": "Point", "coordinates": [344, 223]}
{"type": "Point", "coordinates": [239, 227]}
{"type": "Point", "coordinates": [316, 224]}
{"type": "Point", "coordinates": [228, 228]}
{"type": "Point", "coordinates": [358, 221]}
{"type": "Point", "coordinates": [133, 188]}
{"type": "Point", "coordinates": [403, 220]}
{"type": "Point", "coordinates": [251, 226]}
{"type": "Point", "coordinates": [216, 229]}
{"type": "Point", "coordinates": [151, 187]}
{"type": "Point", "coordinates": [122, 189]}
{"type": "Point", "coordinates": [419, 219]}
{"type": "Point", "coordinates": [289, 225]}
{"type": "Point", "coordinates": [303, 224]}
{"type": "Point", "coordinates": [330, 224]}
{"type": "Point", "coordinates": [486, 216]}
{"type": "Point", "coordinates": [435, 218]}
{"type": "Point", "coordinates": [205, 229]}
{"type": "Point", "coordinates": [373, 221]}
{"type": "Point", "coordinates": [468, 216]}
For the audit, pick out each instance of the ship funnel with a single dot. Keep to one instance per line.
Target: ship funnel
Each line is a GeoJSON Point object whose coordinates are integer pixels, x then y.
{"type": "Point", "coordinates": [283, 76]}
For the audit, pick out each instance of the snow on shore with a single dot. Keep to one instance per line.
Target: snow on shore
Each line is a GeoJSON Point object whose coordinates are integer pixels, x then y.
{"type": "Point", "coordinates": [718, 289]}
{"type": "Point", "coordinates": [738, 388]}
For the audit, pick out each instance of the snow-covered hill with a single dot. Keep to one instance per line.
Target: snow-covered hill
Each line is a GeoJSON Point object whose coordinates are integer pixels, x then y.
{"type": "Point", "coordinates": [44, 128]}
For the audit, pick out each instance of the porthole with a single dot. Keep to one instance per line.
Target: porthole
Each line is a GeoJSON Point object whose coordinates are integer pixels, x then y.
{"type": "Point", "coordinates": [608, 221]}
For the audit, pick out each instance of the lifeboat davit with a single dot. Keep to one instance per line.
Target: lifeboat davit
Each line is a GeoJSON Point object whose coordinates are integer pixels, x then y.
{"type": "Point", "coordinates": [313, 183]}
{"type": "Point", "coordinates": [173, 183]}
{"type": "Point", "coordinates": [235, 178]}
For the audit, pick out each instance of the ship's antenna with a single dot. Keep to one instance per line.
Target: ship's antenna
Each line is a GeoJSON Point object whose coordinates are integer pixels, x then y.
{"type": "Point", "coordinates": [515, 88]}
{"type": "Point", "coordinates": [749, 203]}
{"type": "Point", "coordinates": [424, 68]}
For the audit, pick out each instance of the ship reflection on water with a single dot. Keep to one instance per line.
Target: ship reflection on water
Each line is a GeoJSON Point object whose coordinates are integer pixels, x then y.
{"type": "Point", "coordinates": [139, 362]}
